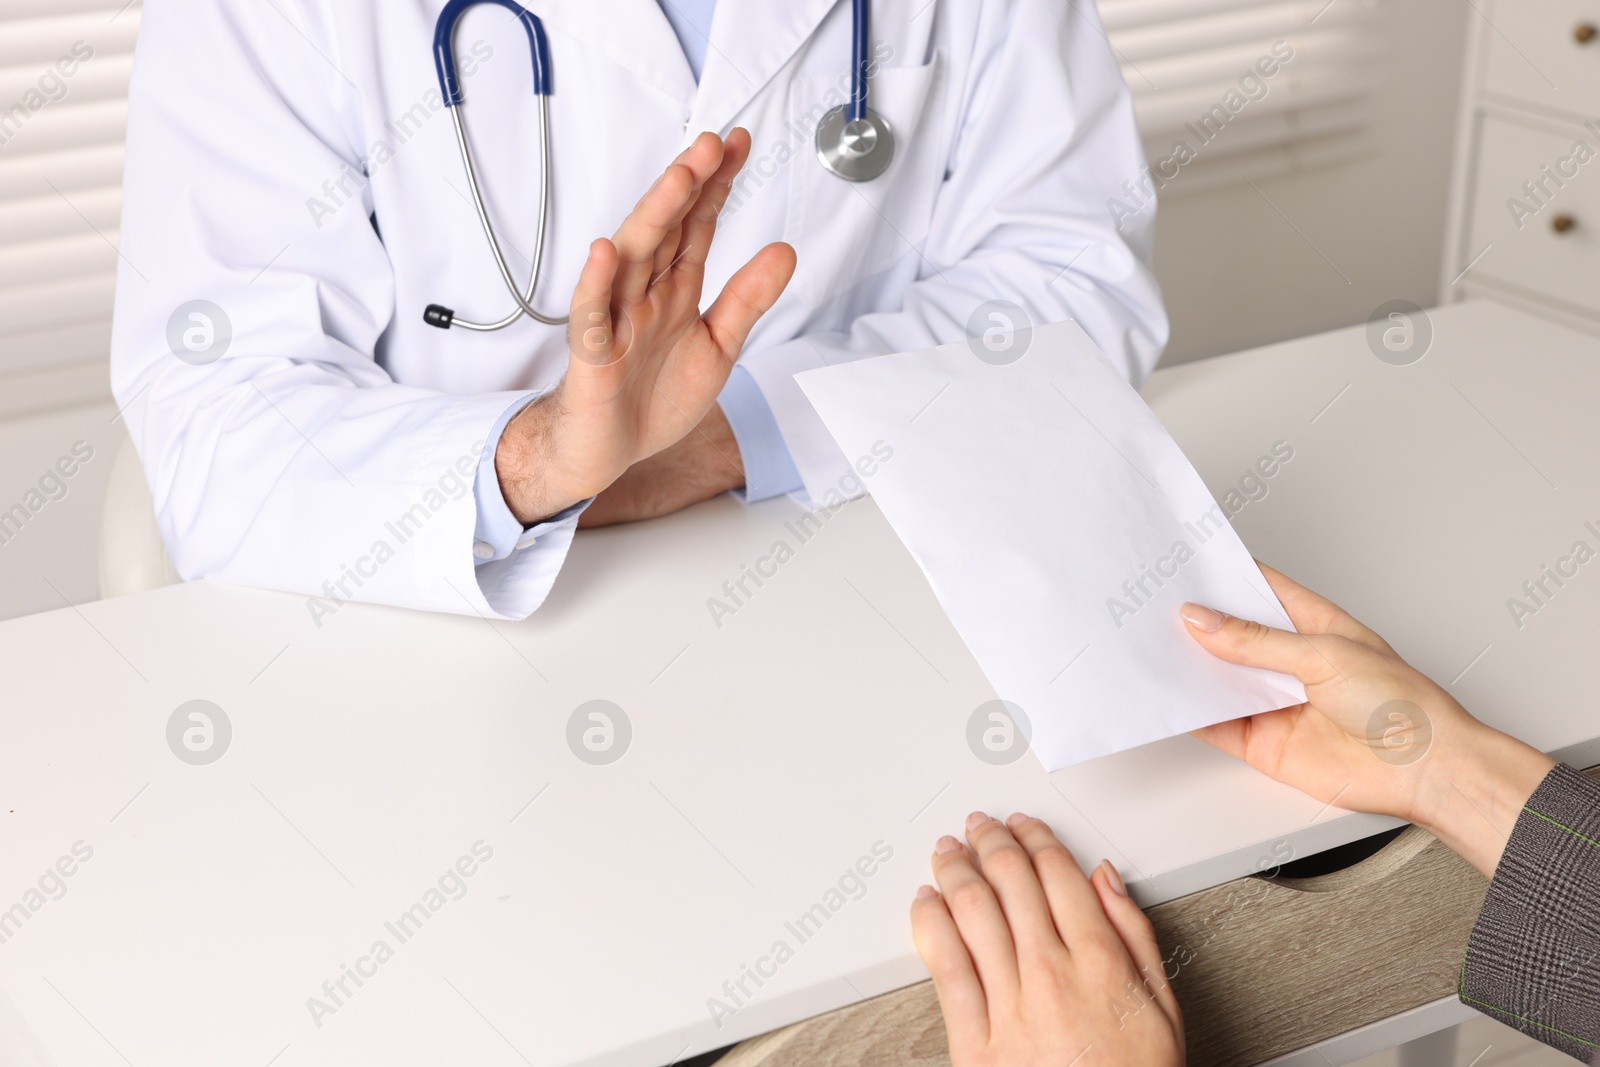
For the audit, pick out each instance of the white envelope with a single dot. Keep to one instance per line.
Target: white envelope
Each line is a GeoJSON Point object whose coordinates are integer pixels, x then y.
{"type": "Point", "coordinates": [1061, 528]}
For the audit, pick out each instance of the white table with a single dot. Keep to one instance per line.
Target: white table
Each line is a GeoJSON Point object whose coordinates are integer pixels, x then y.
{"type": "Point", "coordinates": [768, 755]}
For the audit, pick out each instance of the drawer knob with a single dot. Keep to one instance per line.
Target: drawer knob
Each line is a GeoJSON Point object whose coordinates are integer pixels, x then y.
{"type": "Point", "coordinates": [1563, 223]}
{"type": "Point", "coordinates": [1585, 32]}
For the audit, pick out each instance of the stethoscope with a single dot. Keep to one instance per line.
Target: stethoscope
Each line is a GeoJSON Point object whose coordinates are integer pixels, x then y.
{"type": "Point", "coordinates": [853, 142]}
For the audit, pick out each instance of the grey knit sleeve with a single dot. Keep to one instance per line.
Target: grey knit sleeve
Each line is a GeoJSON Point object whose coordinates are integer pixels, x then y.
{"type": "Point", "coordinates": [1533, 961]}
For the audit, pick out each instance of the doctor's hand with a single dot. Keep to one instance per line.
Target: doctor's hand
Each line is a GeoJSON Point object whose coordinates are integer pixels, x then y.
{"type": "Point", "coordinates": [1036, 965]}
{"type": "Point", "coordinates": [644, 366]}
{"type": "Point", "coordinates": [1375, 734]}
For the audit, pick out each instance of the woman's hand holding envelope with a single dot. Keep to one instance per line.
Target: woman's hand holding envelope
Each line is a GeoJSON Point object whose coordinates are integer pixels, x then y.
{"type": "Point", "coordinates": [1037, 964]}
{"type": "Point", "coordinates": [1375, 734]}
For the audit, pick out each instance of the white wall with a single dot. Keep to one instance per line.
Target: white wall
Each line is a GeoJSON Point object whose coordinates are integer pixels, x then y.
{"type": "Point", "coordinates": [1236, 275]}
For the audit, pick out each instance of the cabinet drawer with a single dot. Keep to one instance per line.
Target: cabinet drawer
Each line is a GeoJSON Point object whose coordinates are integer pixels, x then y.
{"type": "Point", "coordinates": [1537, 210]}
{"type": "Point", "coordinates": [1535, 53]}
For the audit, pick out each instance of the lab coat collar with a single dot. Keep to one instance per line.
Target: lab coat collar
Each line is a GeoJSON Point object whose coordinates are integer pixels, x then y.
{"type": "Point", "coordinates": [751, 40]}
{"type": "Point", "coordinates": [634, 34]}
{"type": "Point", "coordinates": [750, 43]}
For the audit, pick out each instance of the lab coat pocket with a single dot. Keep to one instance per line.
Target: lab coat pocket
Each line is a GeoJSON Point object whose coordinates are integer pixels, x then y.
{"type": "Point", "coordinates": [848, 231]}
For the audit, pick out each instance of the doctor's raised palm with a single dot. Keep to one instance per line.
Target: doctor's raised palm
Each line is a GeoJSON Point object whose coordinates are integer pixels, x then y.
{"type": "Point", "coordinates": [644, 365]}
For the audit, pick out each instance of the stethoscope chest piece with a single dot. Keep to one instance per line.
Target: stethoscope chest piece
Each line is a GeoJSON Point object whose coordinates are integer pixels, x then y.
{"type": "Point", "coordinates": [857, 150]}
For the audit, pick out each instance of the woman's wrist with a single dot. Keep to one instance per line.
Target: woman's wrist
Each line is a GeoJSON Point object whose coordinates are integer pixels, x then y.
{"type": "Point", "coordinates": [1476, 781]}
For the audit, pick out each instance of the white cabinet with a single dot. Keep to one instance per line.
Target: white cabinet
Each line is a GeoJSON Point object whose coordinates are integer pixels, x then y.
{"type": "Point", "coordinates": [1544, 52]}
{"type": "Point", "coordinates": [1525, 205]}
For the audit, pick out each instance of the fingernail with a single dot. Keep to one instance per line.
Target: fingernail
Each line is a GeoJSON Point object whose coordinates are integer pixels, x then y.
{"type": "Point", "coordinates": [1202, 618]}
{"type": "Point", "coordinates": [1113, 879]}
{"type": "Point", "coordinates": [946, 844]}
{"type": "Point", "coordinates": [1016, 820]}
{"type": "Point", "coordinates": [926, 891]}
{"type": "Point", "coordinates": [975, 820]}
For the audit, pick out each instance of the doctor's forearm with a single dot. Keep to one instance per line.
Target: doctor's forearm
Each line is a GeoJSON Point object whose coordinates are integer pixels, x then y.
{"type": "Point", "coordinates": [702, 464]}
{"type": "Point", "coordinates": [522, 462]}
{"type": "Point", "coordinates": [705, 463]}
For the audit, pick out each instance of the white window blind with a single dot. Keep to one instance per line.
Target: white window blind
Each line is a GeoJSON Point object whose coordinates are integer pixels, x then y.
{"type": "Point", "coordinates": [64, 67]}
{"type": "Point", "coordinates": [1208, 110]}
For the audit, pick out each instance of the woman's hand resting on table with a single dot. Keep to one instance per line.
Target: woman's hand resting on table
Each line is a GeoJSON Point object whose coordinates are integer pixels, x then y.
{"type": "Point", "coordinates": [1036, 964]}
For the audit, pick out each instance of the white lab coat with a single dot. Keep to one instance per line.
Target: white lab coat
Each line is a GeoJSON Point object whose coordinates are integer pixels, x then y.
{"type": "Point", "coordinates": [330, 450]}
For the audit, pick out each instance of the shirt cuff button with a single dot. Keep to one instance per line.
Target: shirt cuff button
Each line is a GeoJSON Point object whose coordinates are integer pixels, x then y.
{"type": "Point", "coordinates": [483, 550]}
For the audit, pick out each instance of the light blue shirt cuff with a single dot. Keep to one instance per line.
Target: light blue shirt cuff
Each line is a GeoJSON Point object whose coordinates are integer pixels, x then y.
{"type": "Point", "coordinates": [768, 469]}
{"type": "Point", "coordinates": [498, 533]}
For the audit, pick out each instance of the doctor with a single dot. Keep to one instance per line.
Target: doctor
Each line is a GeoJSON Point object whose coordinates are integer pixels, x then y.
{"type": "Point", "coordinates": [295, 199]}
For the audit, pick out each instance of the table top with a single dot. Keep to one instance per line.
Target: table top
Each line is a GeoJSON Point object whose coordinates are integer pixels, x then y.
{"type": "Point", "coordinates": [399, 857]}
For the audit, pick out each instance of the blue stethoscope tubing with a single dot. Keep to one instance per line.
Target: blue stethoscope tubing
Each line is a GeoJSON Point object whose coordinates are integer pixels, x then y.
{"type": "Point", "coordinates": [444, 60]}
{"type": "Point", "coordinates": [860, 28]}
{"type": "Point", "coordinates": [853, 142]}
